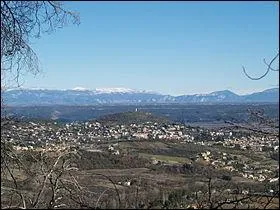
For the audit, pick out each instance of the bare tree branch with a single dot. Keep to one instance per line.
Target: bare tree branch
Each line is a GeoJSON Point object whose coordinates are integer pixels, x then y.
{"type": "Point", "coordinates": [269, 68]}
{"type": "Point", "coordinates": [22, 21]}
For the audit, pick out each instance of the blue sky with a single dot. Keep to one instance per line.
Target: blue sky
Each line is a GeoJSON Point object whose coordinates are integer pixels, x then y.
{"type": "Point", "coordinates": [169, 47]}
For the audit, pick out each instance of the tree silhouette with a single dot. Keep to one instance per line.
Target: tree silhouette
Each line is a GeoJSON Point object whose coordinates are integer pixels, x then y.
{"type": "Point", "coordinates": [269, 68]}
{"type": "Point", "coordinates": [22, 21]}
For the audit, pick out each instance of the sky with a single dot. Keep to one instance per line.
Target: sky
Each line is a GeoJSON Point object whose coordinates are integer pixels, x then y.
{"type": "Point", "coordinates": [172, 48]}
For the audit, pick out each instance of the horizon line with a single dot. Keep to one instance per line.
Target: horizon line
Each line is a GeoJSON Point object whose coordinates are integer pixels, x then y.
{"type": "Point", "coordinates": [126, 90]}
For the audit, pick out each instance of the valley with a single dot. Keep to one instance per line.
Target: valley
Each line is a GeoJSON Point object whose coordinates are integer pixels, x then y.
{"type": "Point", "coordinates": [140, 160]}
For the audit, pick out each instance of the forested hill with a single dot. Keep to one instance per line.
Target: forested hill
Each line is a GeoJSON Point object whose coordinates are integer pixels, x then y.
{"type": "Point", "coordinates": [127, 118]}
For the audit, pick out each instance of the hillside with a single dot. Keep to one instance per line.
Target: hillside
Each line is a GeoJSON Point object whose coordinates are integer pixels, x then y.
{"type": "Point", "coordinates": [127, 118]}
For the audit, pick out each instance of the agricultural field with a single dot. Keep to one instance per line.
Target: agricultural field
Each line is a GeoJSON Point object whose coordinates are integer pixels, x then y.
{"type": "Point", "coordinates": [140, 164]}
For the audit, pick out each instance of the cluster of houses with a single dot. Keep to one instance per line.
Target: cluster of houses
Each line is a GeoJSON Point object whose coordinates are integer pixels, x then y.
{"type": "Point", "coordinates": [231, 162]}
{"type": "Point", "coordinates": [50, 135]}
{"type": "Point", "coordinates": [46, 133]}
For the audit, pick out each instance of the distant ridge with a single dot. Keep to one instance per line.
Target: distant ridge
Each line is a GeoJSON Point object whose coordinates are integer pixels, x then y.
{"type": "Point", "coordinates": [131, 118]}
{"type": "Point", "coordinates": [107, 96]}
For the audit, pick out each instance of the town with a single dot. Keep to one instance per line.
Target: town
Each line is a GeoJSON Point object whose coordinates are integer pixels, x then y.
{"type": "Point", "coordinates": [55, 136]}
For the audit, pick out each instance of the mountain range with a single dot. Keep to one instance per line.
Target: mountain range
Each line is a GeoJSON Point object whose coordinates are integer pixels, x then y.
{"type": "Point", "coordinates": [108, 96]}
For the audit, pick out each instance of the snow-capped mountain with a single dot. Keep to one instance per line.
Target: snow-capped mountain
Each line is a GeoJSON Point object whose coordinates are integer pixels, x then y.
{"type": "Point", "coordinates": [83, 96]}
{"type": "Point", "coordinates": [214, 97]}
{"type": "Point", "coordinates": [80, 89]}
{"type": "Point", "coordinates": [115, 90]}
{"type": "Point", "coordinates": [107, 90]}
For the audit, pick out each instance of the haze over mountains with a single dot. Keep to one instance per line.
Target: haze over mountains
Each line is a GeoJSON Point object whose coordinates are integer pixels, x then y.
{"type": "Point", "coordinates": [108, 96]}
